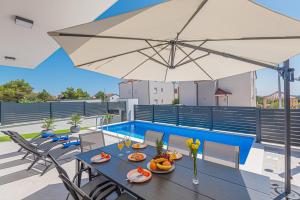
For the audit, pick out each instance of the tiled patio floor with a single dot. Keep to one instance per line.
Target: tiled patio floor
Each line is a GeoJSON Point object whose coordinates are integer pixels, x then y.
{"type": "Point", "coordinates": [17, 183]}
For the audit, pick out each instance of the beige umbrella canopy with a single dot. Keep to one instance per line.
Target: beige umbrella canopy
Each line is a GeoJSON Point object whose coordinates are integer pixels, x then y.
{"type": "Point", "coordinates": [183, 40]}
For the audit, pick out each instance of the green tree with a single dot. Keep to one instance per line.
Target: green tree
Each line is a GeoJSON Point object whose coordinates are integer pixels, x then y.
{"type": "Point", "coordinates": [71, 93]}
{"type": "Point", "coordinates": [101, 95]}
{"type": "Point", "coordinates": [82, 94]}
{"type": "Point", "coordinates": [15, 91]}
{"type": "Point", "coordinates": [175, 101]}
{"type": "Point", "coordinates": [45, 96]}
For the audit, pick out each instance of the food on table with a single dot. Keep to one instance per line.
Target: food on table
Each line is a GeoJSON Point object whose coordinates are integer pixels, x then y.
{"type": "Point", "coordinates": [104, 155]}
{"type": "Point", "coordinates": [145, 173]}
{"type": "Point", "coordinates": [174, 155]}
{"type": "Point", "coordinates": [139, 145]}
{"type": "Point", "coordinates": [137, 156]}
{"type": "Point", "coordinates": [161, 162]}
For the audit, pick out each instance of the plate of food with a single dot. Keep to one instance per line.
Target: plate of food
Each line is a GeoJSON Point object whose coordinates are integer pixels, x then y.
{"type": "Point", "coordinates": [161, 164]}
{"type": "Point", "coordinates": [136, 157]}
{"type": "Point", "coordinates": [174, 155]}
{"type": "Point", "coordinates": [139, 146]}
{"type": "Point", "coordinates": [139, 175]}
{"type": "Point", "coordinates": [100, 158]}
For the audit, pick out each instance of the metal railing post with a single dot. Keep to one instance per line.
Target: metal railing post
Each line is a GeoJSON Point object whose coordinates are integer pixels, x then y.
{"type": "Point", "coordinates": [153, 118]}
{"type": "Point", "coordinates": [84, 108]}
{"type": "Point", "coordinates": [50, 110]}
{"type": "Point", "coordinates": [258, 125]}
{"type": "Point", "coordinates": [177, 115]}
{"type": "Point", "coordinates": [212, 117]}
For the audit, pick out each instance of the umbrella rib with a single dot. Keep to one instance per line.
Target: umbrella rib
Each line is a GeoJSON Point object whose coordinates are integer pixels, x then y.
{"type": "Point", "coordinates": [117, 55]}
{"type": "Point", "coordinates": [103, 36]}
{"type": "Point", "coordinates": [192, 17]}
{"type": "Point", "coordinates": [186, 62]}
{"type": "Point", "coordinates": [154, 60]}
{"type": "Point", "coordinates": [227, 55]}
{"type": "Point", "coordinates": [157, 52]}
{"type": "Point", "coordinates": [166, 74]}
{"type": "Point", "coordinates": [246, 38]}
{"type": "Point", "coordinates": [139, 65]}
{"type": "Point", "coordinates": [192, 60]}
{"type": "Point", "coordinates": [189, 54]}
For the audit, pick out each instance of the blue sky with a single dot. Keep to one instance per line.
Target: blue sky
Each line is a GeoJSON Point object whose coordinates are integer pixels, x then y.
{"type": "Point", "coordinates": [57, 72]}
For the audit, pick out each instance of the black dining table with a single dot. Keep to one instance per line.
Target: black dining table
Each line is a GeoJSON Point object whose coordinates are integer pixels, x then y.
{"type": "Point", "coordinates": [215, 181]}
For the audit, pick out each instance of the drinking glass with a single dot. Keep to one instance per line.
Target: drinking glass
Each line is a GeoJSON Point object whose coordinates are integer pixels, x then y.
{"type": "Point", "coordinates": [128, 144]}
{"type": "Point", "coordinates": [120, 146]}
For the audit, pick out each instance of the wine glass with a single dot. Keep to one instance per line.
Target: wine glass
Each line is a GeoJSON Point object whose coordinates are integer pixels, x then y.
{"type": "Point", "coordinates": [128, 144]}
{"type": "Point", "coordinates": [120, 146]}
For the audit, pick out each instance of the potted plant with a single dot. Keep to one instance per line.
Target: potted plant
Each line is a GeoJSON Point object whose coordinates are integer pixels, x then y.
{"type": "Point", "coordinates": [108, 118]}
{"type": "Point", "coordinates": [75, 121]}
{"type": "Point", "coordinates": [48, 125]}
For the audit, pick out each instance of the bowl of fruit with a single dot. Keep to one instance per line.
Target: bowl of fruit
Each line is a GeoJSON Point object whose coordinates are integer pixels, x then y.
{"type": "Point", "coordinates": [161, 164]}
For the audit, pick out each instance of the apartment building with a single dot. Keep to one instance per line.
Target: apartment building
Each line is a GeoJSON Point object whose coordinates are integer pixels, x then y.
{"type": "Point", "coordinates": [148, 92]}
{"type": "Point", "coordinates": [239, 90]}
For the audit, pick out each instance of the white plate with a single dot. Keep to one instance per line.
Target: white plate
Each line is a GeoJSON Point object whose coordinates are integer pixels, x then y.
{"type": "Point", "coordinates": [135, 177]}
{"type": "Point", "coordinates": [129, 157]}
{"type": "Point", "coordinates": [142, 146]}
{"type": "Point", "coordinates": [160, 171]}
{"type": "Point", "coordinates": [178, 155]}
{"type": "Point", "coordinates": [99, 159]}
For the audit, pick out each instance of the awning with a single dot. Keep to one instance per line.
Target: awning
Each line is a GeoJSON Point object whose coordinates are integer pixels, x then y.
{"type": "Point", "coordinates": [31, 46]}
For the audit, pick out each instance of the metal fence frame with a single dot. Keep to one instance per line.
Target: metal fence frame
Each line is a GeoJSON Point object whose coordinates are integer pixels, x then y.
{"type": "Point", "coordinates": [11, 113]}
{"type": "Point", "coordinates": [266, 124]}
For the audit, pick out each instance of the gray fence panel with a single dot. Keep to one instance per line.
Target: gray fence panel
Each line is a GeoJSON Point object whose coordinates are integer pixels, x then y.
{"type": "Point", "coordinates": [66, 109]}
{"type": "Point", "coordinates": [94, 109]}
{"type": "Point", "coordinates": [117, 106]}
{"type": "Point", "coordinates": [272, 126]}
{"type": "Point", "coordinates": [16, 112]}
{"type": "Point", "coordinates": [197, 116]}
{"type": "Point", "coordinates": [166, 114]}
{"type": "Point", "coordinates": [143, 112]}
{"type": "Point", "coordinates": [236, 119]}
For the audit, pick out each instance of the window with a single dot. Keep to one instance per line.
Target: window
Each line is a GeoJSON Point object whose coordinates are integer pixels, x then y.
{"type": "Point", "coordinates": [155, 90]}
{"type": "Point", "coordinates": [162, 101]}
{"type": "Point", "coordinates": [155, 101]}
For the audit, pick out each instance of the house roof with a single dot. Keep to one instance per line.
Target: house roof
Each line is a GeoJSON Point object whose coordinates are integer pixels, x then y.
{"type": "Point", "coordinates": [220, 92]}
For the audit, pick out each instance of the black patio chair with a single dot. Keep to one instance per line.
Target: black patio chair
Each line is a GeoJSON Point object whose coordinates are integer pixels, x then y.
{"type": "Point", "coordinates": [46, 145]}
{"type": "Point", "coordinates": [39, 154]}
{"type": "Point", "coordinates": [97, 189]}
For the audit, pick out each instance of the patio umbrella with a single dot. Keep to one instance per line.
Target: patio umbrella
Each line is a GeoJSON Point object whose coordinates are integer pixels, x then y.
{"type": "Point", "coordinates": [187, 40]}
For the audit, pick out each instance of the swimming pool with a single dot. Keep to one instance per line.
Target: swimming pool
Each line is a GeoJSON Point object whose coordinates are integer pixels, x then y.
{"type": "Point", "coordinates": [138, 128]}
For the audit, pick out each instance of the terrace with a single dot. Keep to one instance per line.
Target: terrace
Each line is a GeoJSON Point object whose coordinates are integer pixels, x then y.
{"type": "Point", "coordinates": [154, 151]}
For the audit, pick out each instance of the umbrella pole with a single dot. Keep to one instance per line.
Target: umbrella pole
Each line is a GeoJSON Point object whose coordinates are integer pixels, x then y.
{"type": "Point", "coordinates": [287, 76]}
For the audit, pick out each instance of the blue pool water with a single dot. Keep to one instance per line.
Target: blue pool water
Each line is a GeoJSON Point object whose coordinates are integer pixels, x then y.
{"type": "Point", "coordinates": [137, 129]}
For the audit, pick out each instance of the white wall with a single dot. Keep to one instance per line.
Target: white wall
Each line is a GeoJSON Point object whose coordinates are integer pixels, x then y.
{"type": "Point", "coordinates": [242, 87]}
{"type": "Point", "coordinates": [161, 92]}
{"type": "Point", "coordinates": [206, 93]}
{"type": "Point", "coordinates": [187, 93]}
{"type": "Point", "coordinates": [140, 92]}
{"type": "Point", "coordinates": [125, 90]}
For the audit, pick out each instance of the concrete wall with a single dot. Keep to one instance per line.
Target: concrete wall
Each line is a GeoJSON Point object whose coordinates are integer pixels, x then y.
{"type": "Point", "coordinates": [187, 93]}
{"type": "Point", "coordinates": [161, 93]}
{"type": "Point", "coordinates": [242, 87]}
{"type": "Point", "coordinates": [148, 92]}
{"type": "Point", "coordinates": [206, 93]}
